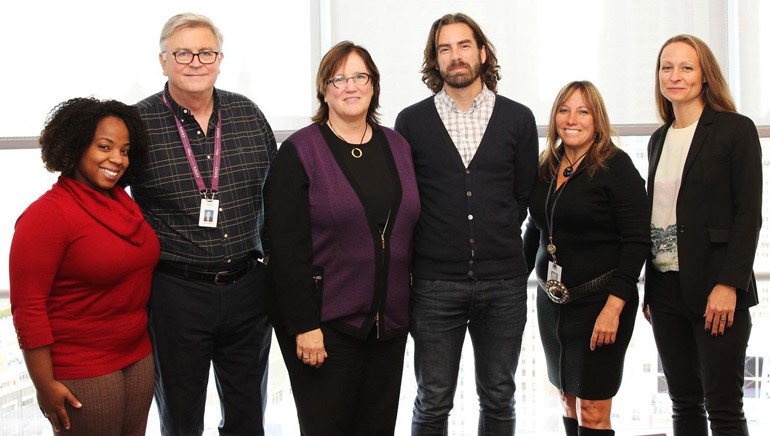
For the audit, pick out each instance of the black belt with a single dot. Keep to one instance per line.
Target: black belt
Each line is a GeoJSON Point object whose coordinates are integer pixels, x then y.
{"type": "Point", "coordinates": [226, 277]}
{"type": "Point", "coordinates": [562, 296]}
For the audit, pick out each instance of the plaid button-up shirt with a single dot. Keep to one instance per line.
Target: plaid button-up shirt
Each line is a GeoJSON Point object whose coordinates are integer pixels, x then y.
{"type": "Point", "coordinates": [168, 195]}
{"type": "Point", "coordinates": [466, 128]}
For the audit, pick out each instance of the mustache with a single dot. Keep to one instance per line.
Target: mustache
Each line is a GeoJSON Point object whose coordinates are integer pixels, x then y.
{"type": "Point", "coordinates": [458, 63]}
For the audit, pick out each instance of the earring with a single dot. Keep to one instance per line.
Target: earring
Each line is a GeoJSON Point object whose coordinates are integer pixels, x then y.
{"type": "Point", "coordinates": [597, 136]}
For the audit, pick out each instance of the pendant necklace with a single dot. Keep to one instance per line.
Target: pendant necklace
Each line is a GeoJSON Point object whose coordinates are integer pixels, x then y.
{"type": "Point", "coordinates": [356, 151]}
{"type": "Point", "coordinates": [570, 169]}
{"type": "Point", "coordinates": [550, 248]}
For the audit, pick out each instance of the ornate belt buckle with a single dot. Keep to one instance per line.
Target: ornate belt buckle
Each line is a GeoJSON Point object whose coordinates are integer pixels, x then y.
{"type": "Point", "coordinates": [556, 291]}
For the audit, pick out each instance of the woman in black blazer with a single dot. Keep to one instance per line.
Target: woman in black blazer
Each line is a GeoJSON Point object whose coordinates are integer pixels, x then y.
{"type": "Point", "coordinates": [705, 186]}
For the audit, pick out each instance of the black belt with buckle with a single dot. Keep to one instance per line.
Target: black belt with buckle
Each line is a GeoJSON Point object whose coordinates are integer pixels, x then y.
{"type": "Point", "coordinates": [226, 277]}
{"type": "Point", "coordinates": [562, 295]}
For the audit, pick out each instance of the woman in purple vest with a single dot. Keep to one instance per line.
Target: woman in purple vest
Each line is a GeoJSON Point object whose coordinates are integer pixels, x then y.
{"type": "Point", "coordinates": [342, 204]}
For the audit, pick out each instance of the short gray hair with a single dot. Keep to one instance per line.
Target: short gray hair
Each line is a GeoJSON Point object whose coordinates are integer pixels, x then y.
{"type": "Point", "coordinates": [185, 20]}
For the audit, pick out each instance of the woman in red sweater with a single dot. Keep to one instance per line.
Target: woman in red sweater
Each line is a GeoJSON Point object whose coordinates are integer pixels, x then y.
{"type": "Point", "coordinates": [81, 264]}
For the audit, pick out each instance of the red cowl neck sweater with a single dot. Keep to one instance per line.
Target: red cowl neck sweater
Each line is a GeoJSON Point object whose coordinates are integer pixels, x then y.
{"type": "Point", "coordinates": [80, 270]}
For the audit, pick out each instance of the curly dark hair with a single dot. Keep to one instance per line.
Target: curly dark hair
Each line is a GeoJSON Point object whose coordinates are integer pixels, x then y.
{"type": "Point", "coordinates": [70, 129]}
{"type": "Point", "coordinates": [490, 70]}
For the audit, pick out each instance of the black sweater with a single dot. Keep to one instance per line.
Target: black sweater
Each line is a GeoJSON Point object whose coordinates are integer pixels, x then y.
{"type": "Point", "coordinates": [470, 220]}
{"type": "Point", "coordinates": [600, 223]}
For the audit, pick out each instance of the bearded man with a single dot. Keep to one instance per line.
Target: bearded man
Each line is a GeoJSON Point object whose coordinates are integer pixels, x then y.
{"type": "Point", "coordinates": [475, 157]}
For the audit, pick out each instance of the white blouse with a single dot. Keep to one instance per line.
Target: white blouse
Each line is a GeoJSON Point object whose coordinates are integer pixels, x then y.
{"type": "Point", "coordinates": [668, 179]}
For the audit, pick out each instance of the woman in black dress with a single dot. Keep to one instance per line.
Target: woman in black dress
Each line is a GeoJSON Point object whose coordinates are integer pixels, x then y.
{"type": "Point", "coordinates": [587, 238]}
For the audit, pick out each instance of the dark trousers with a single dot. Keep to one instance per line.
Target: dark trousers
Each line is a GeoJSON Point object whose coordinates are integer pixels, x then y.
{"type": "Point", "coordinates": [194, 324]}
{"type": "Point", "coordinates": [704, 372]}
{"type": "Point", "coordinates": [355, 392]}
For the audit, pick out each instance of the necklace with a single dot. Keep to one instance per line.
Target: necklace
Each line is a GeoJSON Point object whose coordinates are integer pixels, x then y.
{"type": "Point", "coordinates": [356, 151]}
{"type": "Point", "coordinates": [550, 214]}
{"type": "Point", "coordinates": [570, 169]}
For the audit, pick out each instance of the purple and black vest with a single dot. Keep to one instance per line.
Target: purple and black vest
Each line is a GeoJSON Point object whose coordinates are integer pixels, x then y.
{"type": "Point", "coordinates": [343, 244]}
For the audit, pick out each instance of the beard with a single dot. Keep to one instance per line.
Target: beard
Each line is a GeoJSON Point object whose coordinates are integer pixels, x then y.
{"type": "Point", "coordinates": [461, 78]}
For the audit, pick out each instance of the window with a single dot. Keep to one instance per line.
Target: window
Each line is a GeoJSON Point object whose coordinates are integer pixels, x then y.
{"type": "Point", "coordinates": [75, 49]}
{"type": "Point", "coordinates": [273, 60]}
{"type": "Point", "coordinates": [541, 46]}
{"type": "Point", "coordinates": [752, 384]}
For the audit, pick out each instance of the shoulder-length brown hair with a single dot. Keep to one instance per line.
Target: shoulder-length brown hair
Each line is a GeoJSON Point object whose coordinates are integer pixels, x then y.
{"type": "Point", "coordinates": [490, 70]}
{"type": "Point", "coordinates": [714, 93]}
{"type": "Point", "coordinates": [602, 148]}
{"type": "Point", "coordinates": [331, 61]}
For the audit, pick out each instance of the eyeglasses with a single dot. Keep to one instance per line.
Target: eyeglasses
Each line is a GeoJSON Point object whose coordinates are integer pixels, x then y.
{"type": "Point", "coordinates": [205, 57]}
{"type": "Point", "coordinates": [359, 79]}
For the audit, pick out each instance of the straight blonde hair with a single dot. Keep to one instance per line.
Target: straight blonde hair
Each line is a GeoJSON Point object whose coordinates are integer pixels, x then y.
{"type": "Point", "coordinates": [715, 93]}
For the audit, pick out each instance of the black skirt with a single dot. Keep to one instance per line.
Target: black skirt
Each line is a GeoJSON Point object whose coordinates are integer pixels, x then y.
{"type": "Point", "coordinates": [565, 330]}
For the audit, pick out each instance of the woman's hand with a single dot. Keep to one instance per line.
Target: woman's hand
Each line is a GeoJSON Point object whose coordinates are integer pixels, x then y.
{"type": "Point", "coordinates": [310, 348]}
{"type": "Point", "coordinates": [51, 393]}
{"type": "Point", "coordinates": [52, 398]}
{"type": "Point", "coordinates": [606, 325]}
{"type": "Point", "coordinates": [720, 309]}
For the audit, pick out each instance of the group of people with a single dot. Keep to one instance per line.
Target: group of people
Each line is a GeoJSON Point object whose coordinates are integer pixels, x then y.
{"type": "Point", "coordinates": [354, 235]}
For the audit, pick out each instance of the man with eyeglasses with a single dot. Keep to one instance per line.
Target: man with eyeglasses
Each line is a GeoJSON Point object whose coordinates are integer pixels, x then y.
{"type": "Point", "coordinates": [202, 193]}
{"type": "Point", "coordinates": [475, 157]}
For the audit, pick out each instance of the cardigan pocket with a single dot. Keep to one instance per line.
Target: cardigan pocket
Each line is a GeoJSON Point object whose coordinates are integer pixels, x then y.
{"type": "Point", "coordinates": [719, 236]}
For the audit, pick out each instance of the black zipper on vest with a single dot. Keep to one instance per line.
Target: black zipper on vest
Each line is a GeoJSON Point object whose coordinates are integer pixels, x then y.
{"type": "Point", "coordinates": [384, 269]}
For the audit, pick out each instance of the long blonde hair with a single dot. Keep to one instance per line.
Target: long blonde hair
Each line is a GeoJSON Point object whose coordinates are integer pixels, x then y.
{"type": "Point", "coordinates": [715, 93]}
{"type": "Point", "coordinates": [602, 148]}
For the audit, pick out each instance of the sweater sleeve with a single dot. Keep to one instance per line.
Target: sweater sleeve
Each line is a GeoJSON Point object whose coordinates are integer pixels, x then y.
{"type": "Point", "coordinates": [526, 164]}
{"type": "Point", "coordinates": [628, 201]}
{"type": "Point", "coordinates": [288, 218]}
{"type": "Point", "coordinates": [39, 244]}
{"type": "Point", "coordinates": [400, 126]}
{"type": "Point", "coordinates": [531, 242]}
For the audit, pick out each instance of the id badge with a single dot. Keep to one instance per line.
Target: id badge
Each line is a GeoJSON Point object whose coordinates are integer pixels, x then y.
{"type": "Point", "coordinates": [554, 271]}
{"type": "Point", "coordinates": [209, 213]}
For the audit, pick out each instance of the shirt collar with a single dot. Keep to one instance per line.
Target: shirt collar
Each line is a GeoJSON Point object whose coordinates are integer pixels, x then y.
{"type": "Point", "coordinates": [445, 100]}
{"type": "Point", "coordinates": [182, 112]}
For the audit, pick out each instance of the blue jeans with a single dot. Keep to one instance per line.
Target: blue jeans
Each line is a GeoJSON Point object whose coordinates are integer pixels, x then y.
{"type": "Point", "coordinates": [494, 313]}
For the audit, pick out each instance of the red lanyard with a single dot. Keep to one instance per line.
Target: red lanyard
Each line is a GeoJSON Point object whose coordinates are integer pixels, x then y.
{"type": "Point", "coordinates": [191, 158]}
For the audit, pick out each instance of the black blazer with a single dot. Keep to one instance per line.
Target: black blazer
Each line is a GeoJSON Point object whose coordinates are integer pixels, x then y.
{"type": "Point", "coordinates": [719, 208]}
